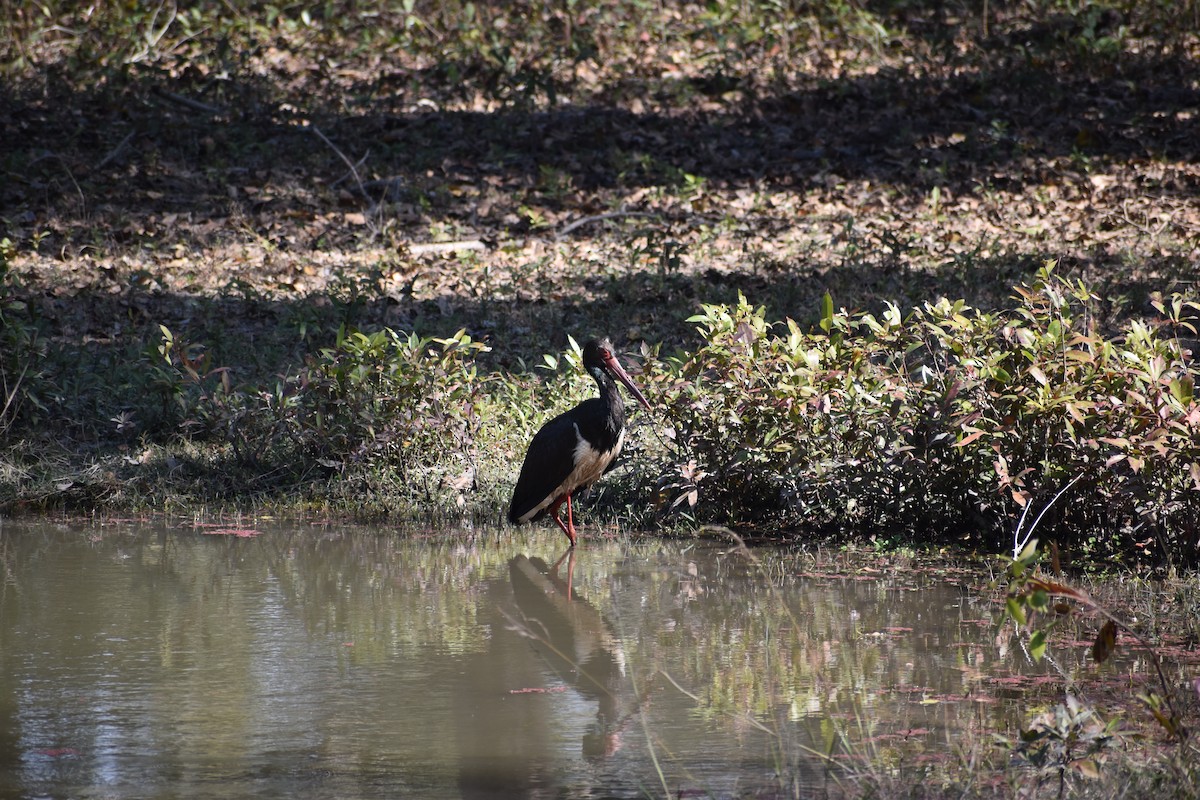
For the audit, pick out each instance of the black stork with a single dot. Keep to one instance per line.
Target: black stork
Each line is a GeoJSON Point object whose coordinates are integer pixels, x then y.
{"type": "Point", "coordinates": [575, 448]}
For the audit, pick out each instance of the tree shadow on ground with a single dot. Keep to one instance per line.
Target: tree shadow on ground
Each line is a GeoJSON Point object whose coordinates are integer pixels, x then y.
{"type": "Point", "coordinates": [142, 163]}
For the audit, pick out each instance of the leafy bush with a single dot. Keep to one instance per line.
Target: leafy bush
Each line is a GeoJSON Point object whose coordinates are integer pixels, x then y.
{"type": "Point", "coordinates": [401, 398]}
{"type": "Point", "coordinates": [195, 395]}
{"type": "Point", "coordinates": [949, 419]}
{"type": "Point", "coordinates": [386, 400]}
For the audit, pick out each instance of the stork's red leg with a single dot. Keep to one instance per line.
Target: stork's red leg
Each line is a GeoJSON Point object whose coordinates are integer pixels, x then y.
{"type": "Point", "coordinates": [569, 527]}
{"type": "Point", "coordinates": [570, 522]}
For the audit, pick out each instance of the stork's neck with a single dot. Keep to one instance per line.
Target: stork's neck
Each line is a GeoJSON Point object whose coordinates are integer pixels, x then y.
{"type": "Point", "coordinates": [611, 397]}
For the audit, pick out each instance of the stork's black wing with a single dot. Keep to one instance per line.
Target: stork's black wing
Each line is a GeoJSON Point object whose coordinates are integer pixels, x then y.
{"type": "Point", "coordinates": [548, 462]}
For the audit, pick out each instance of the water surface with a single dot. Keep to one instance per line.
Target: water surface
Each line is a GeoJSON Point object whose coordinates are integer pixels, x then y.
{"type": "Point", "coordinates": [143, 661]}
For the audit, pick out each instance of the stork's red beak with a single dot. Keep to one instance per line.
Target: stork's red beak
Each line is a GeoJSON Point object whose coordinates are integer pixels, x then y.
{"type": "Point", "coordinates": [615, 367]}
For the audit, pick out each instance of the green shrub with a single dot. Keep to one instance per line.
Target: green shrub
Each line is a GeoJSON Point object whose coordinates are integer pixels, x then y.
{"type": "Point", "coordinates": [390, 398]}
{"type": "Point", "coordinates": [195, 396]}
{"type": "Point", "coordinates": [397, 399]}
{"type": "Point", "coordinates": [948, 420]}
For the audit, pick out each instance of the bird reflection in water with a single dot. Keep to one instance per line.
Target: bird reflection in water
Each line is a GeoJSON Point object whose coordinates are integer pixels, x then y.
{"type": "Point", "coordinates": [545, 643]}
{"type": "Point", "coordinates": [576, 642]}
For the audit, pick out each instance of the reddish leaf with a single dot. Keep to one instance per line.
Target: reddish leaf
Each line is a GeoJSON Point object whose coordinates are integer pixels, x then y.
{"type": "Point", "coordinates": [1060, 589]}
{"type": "Point", "coordinates": [966, 440]}
{"type": "Point", "coordinates": [240, 533]}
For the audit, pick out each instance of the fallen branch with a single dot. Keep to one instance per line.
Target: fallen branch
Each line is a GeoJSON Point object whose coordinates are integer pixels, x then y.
{"type": "Point", "coordinates": [188, 102]}
{"type": "Point", "coordinates": [446, 247]}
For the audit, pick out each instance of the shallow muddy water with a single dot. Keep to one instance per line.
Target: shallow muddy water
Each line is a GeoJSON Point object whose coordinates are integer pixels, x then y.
{"type": "Point", "coordinates": [285, 661]}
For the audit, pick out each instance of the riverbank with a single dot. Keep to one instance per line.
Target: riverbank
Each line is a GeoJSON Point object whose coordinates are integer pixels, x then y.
{"type": "Point", "coordinates": [240, 248]}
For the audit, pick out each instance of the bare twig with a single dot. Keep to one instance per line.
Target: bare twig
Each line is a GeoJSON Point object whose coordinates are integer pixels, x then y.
{"type": "Point", "coordinates": [345, 160]}
{"type": "Point", "coordinates": [11, 396]}
{"type": "Point", "coordinates": [1018, 543]}
{"type": "Point", "coordinates": [116, 151]}
{"type": "Point", "coordinates": [745, 718]}
{"type": "Point", "coordinates": [579, 223]}
{"type": "Point", "coordinates": [376, 209]}
{"type": "Point", "coordinates": [362, 185]}
{"type": "Point", "coordinates": [1146, 229]}
{"type": "Point", "coordinates": [1080, 596]}
{"type": "Point", "coordinates": [153, 37]}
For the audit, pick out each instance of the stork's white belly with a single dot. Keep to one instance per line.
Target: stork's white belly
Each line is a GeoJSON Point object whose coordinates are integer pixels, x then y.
{"type": "Point", "coordinates": [590, 464]}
